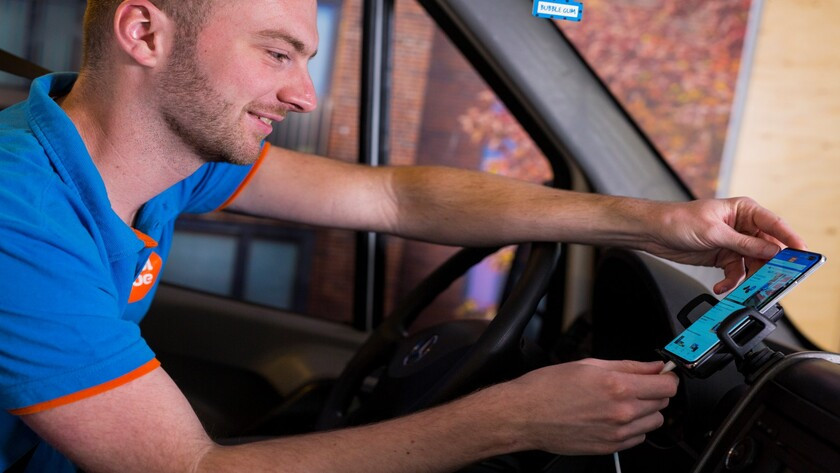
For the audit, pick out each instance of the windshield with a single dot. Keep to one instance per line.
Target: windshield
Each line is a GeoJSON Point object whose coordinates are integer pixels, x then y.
{"type": "Point", "coordinates": [673, 66]}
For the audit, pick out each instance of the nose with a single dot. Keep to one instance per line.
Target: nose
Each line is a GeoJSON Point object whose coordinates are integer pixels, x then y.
{"type": "Point", "coordinates": [300, 93]}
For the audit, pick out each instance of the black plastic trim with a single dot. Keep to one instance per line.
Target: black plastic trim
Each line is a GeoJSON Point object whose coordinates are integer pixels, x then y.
{"type": "Point", "coordinates": [369, 283]}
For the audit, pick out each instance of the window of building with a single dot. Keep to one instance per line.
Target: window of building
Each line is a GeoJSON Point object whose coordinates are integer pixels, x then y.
{"type": "Point", "coordinates": [245, 260]}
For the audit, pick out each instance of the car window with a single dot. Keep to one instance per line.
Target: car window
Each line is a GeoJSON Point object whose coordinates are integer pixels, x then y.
{"type": "Point", "coordinates": [673, 65]}
{"type": "Point", "coordinates": [443, 113]}
{"type": "Point", "coordinates": [46, 32]}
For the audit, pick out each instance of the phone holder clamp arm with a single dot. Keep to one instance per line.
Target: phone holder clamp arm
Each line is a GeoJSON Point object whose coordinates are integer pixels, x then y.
{"type": "Point", "coordinates": [752, 357]}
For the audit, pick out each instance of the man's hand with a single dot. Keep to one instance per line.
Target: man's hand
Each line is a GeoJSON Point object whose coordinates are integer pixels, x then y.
{"type": "Point", "coordinates": [736, 235]}
{"type": "Point", "coordinates": [589, 406]}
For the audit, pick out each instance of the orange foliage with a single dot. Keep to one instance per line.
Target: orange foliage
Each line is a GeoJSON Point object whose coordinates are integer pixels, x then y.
{"type": "Point", "coordinates": [673, 64]}
{"type": "Point", "coordinates": [490, 123]}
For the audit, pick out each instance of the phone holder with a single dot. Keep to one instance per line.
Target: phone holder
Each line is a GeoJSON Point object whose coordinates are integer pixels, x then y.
{"type": "Point", "coordinates": [744, 345]}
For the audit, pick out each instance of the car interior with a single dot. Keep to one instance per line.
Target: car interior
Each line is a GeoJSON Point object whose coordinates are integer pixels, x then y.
{"type": "Point", "coordinates": [253, 371]}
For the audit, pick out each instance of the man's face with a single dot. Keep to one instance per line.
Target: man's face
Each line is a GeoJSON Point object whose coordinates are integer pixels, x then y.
{"type": "Point", "coordinates": [222, 91]}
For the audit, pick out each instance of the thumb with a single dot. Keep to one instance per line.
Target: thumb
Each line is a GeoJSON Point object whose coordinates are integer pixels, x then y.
{"type": "Point", "coordinates": [748, 246]}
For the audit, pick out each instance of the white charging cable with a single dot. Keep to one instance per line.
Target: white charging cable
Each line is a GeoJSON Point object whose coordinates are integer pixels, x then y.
{"type": "Point", "coordinates": [669, 366]}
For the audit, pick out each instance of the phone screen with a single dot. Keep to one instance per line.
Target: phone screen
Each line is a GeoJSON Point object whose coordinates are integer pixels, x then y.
{"type": "Point", "coordinates": [758, 291]}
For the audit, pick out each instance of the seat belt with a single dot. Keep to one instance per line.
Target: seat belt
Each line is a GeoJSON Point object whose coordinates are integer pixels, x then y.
{"type": "Point", "coordinates": [20, 67]}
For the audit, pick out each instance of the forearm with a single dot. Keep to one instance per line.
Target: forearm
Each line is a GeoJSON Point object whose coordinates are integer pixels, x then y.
{"type": "Point", "coordinates": [437, 204]}
{"type": "Point", "coordinates": [607, 408]}
{"type": "Point", "coordinates": [118, 431]}
{"type": "Point", "coordinates": [469, 208]}
{"type": "Point", "coordinates": [440, 439]}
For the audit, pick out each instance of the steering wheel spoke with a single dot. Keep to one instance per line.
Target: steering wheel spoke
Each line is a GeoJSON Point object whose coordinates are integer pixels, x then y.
{"type": "Point", "coordinates": [441, 362]}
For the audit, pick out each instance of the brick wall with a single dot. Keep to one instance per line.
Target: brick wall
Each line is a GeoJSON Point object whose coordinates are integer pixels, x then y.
{"type": "Point", "coordinates": [331, 285]}
{"type": "Point", "coordinates": [451, 89]}
{"type": "Point", "coordinates": [331, 293]}
{"type": "Point", "coordinates": [433, 87]}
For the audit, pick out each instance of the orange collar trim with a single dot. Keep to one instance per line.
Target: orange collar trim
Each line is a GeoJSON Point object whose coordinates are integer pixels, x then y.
{"type": "Point", "coordinates": [251, 173]}
{"type": "Point", "coordinates": [146, 239]}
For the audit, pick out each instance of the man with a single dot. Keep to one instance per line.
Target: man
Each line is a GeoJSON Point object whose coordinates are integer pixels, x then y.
{"type": "Point", "coordinates": [169, 114]}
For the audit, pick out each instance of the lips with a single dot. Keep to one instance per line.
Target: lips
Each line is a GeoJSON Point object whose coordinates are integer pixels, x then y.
{"type": "Point", "coordinates": [264, 122]}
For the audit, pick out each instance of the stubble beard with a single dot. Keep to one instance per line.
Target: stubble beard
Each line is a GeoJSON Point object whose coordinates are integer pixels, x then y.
{"type": "Point", "coordinates": [198, 115]}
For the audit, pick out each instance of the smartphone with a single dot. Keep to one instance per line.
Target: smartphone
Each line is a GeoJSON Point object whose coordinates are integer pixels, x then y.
{"type": "Point", "coordinates": [760, 291]}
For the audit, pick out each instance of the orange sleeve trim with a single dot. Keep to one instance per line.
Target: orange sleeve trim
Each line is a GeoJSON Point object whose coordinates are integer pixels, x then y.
{"type": "Point", "coordinates": [146, 239]}
{"type": "Point", "coordinates": [248, 178]}
{"type": "Point", "coordinates": [89, 392]}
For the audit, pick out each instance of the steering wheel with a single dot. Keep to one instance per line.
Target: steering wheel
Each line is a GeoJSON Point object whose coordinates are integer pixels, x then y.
{"type": "Point", "coordinates": [444, 361]}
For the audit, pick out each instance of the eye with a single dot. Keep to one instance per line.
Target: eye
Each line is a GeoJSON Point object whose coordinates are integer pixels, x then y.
{"type": "Point", "coordinates": [280, 57]}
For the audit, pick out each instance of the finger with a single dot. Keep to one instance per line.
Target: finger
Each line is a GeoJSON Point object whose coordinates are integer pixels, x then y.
{"type": "Point", "coordinates": [733, 273]}
{"type": "Point", "coordinates": [619, 387]}
{"type": "Point", "coordinates": [645, 407]}
{"type": "Point", "coordinates": [629, 443]}
{"type": "Point", "coordinates": [747, 245]}
{"type": "Point", "coordinates": [641, 426]}
{"type": "Point", "coordinates": [651, 386]}
{"type": "Point", "coordinates": [774, 226]}
{"type": "Point", "coordinates": [627, 366]}
{"type": "Point", "coordinates": [770, 238]}
{"type": "Point", "coordinates": [723, 286]}
{"type": "Point", "coordinates": [752, 265]}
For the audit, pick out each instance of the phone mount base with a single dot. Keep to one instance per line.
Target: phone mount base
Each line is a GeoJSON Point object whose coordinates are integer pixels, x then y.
{"type": "Point", "coordinates": [741, 335]}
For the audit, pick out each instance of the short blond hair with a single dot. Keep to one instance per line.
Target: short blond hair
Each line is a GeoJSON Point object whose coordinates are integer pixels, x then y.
{"type": "Point", "coordinates": [188, 15]}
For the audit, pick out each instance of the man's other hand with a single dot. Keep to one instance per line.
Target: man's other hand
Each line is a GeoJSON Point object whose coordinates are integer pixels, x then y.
{"type": "Point", "coordinates": [589, 406]}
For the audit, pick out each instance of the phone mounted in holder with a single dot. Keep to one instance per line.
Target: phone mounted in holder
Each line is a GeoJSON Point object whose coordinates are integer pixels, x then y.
{"type": "Point", "coordinates": [741, 335]}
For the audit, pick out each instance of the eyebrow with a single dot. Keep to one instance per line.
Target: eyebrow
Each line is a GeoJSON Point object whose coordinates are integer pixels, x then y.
{"type": "Point", "coordinates": [297, 44]}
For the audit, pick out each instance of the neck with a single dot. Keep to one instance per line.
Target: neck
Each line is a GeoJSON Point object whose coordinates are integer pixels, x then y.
{"type": "Point", "coordinates": [135, 153]}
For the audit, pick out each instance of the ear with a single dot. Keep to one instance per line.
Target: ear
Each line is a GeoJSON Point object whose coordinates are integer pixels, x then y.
{"type": "Point", "coordinates": [143, 32]}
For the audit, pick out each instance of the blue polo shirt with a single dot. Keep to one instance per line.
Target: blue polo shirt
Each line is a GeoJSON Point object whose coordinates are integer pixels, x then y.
{"type": "Point", "coordinates": [76, 279]}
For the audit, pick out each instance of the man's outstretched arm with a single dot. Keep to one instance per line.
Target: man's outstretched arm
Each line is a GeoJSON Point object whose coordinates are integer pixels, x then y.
{"type": "Point", "coordinates": [591, 406]}
{"type": "Point", "coordinates": [458, 207]}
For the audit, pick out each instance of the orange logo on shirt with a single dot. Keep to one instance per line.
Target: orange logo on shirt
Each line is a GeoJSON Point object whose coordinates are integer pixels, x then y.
{"type": "Point", "coordinates": [146, 280]}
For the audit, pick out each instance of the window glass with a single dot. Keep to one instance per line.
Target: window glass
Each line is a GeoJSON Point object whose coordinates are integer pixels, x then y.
{"type": "Point", "coordinates": [245, 258]}
{"type": "Point", "coordinates": [13, 37]}
{"type": "Point", "coordinates": [271, 273]}
{"type": "Point", "coordinates": [673, 65]}
{"type": "Point", "coordinates": [327, 278]}
{"type": "Point", "coordinates": [442, 113]}
{"type": "Point", "coordinates": [46, 32]}
{"type": "Point", "coordinates": [202, 261]}
{"type": "Point", "coordinates": [310, 132]}
{"type": "Point", "coordinates": [320, 67]}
